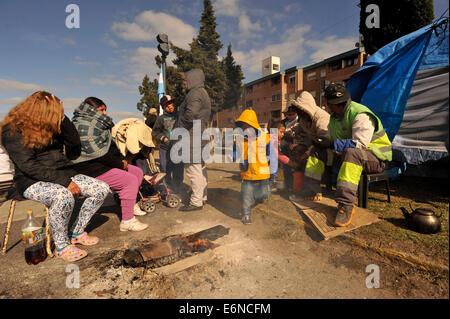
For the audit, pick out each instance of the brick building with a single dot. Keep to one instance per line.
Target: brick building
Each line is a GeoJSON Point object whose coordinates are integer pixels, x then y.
{"type": "Point", "coordinates": [269, 95]}
{"type": "Point", "coordinates": [338, 68]}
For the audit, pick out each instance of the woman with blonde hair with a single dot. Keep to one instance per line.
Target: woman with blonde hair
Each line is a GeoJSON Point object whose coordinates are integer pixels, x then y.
{"type": "Point", "coordinates": [36, 134]}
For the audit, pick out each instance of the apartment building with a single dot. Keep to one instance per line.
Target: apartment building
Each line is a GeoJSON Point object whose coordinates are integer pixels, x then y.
{"type": "Point", "coordinates": [338, 68]}
{"type": "Point", "coordinates": [269, 95]}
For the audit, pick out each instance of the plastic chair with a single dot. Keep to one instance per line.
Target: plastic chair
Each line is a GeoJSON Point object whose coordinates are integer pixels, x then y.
{"type": "Point", "coordinates": [363, 187]}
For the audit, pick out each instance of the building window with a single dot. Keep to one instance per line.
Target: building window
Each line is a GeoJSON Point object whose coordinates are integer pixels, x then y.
{"type": "Point", "coordinates": [311, 76]}
{"type": "Point", "coordinates": [336, 66]}
{"type": "Point", "coordinates": [323, 73]}
{"type": "Point", "coordinates": [276, 67]}
{"type": "Point", "coordinates": [350, 62]}
{"type": "Point", "coordinates": [276, 97]}
{"type": "Point", "coordinates": [276, 114]}
{"type": "Point", "coordinates": [250, 89]}
{"type": "Point", "coordinates": [275, 81]}
{"type": "Point", "coordinates": [292, 79]}
{"type": "Point", "coordinates": [249, 103]}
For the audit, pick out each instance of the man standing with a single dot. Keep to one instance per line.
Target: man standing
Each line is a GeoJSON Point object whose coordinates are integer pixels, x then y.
{"type": "Point", "coordinates": [359, 140]}
{"type": "Point", "coordinates": [195, 110]}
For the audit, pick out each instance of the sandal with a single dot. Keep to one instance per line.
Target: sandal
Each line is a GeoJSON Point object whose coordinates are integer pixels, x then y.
{"type": "Point", "coordinates": [71, 253]}
{"type": "Point", "coordinates": [84, 240]}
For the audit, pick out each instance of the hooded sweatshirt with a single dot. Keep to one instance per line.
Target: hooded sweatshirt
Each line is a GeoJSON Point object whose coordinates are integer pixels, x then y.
{"type": "Point", "coordinates": [256, 152]}
{"type": "Point", "coordinates": [319, 118]}
{"type": "Point", "coordinates": [195, 106]}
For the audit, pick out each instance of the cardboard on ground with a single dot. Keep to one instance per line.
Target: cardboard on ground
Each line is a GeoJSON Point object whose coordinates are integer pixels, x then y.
{"type": "Point", "coordinates": [321, 215]}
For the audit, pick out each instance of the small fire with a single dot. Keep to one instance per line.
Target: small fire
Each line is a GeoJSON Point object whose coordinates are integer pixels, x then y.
{"type": "Point", "coordinates": [197, 245]}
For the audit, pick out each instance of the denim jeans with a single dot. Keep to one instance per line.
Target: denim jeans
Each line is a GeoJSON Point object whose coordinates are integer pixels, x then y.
{"type": "Point", "coordinates": [253, 193]}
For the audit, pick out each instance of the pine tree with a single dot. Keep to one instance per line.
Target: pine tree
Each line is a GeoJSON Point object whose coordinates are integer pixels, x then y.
{"type": "Point", "coordinates": [397, 18]}
{"type": "Point", "coordinates": [149, 91]}
{"type": "Point", "coordinates": [234, 77]}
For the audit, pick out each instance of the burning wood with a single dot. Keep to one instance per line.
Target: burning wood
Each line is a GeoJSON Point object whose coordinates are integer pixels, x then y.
{"type": "Point", "coordinates": [173, 248]}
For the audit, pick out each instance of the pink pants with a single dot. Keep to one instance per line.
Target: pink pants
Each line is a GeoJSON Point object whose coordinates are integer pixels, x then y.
{"type": "Point", "coordinates": [126, 184]}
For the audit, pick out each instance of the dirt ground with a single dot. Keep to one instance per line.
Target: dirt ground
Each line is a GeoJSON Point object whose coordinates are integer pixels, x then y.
{"type": "Point", "coordinates": [274, 257]}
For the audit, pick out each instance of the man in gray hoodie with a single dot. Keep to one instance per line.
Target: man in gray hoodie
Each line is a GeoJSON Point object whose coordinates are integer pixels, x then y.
{"type": "Point", "coordinates": [195, 107]}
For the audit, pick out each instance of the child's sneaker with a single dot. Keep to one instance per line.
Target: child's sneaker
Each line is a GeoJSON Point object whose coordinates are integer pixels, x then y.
{"type": "Point", "coordinates": [132, 225]}
{"type": "Point", "coordinates": [137, 211]}
{"type": "Point", "coordinates": [246, 220]}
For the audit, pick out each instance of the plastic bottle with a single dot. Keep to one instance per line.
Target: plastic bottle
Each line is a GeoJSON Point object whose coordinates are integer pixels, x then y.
{"type": "Point", "coordinates": [34, 239]}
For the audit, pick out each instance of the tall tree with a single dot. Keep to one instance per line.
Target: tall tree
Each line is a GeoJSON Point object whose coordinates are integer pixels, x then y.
{"type": "Point", "coordinates": [396, 19]}
{"type": "Point", "coordinates": [234, 77]}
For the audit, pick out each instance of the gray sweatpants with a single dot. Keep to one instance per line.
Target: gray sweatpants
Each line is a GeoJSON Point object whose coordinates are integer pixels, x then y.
{"type": "Point", "coordinates": [196, 173]}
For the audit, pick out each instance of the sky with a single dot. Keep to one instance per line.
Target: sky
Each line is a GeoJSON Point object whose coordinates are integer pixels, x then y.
{"type": "Point", "coordinates": [115, 44]}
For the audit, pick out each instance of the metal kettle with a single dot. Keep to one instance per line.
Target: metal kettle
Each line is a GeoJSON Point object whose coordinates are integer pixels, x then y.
{"type": "Point", "coordinates": [422, 220]}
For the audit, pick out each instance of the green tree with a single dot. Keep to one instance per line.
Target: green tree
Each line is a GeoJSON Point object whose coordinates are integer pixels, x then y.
{"type": "Point", "coordinates": [149, 91]}
{"type": "Point", "coordinates": [397, 18]}
{"type": "Point", "coordinates": [234, 77]}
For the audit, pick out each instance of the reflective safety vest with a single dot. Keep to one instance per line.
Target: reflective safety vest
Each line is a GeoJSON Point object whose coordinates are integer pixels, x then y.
{"type": "Point", "coordinates": [341, 129]}
{"type": "Point", "coordinates": [255, 166]}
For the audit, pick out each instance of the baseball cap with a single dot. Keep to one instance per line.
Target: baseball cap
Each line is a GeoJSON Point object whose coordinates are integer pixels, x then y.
{"type": "Point", "coordinates": [166, 99]}
{"type": "Point", "coordinates": [336, 93]}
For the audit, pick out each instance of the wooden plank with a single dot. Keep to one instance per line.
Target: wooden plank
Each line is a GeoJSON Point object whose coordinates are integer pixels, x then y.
{"type": "Point", "coordinates": [321, 215]}
{"type": "Point", "coordinates": [185, 263]}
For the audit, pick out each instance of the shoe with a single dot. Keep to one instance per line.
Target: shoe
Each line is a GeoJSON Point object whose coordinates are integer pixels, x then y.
{"type": "Point", "coordinates": [84, 239]}
{"type": "Point", "coordinates": [344, 215]}
{"type": "Point", "coordinates": [71, 253]}
{"type": "Point", "coordinates": [246, 220]}
{"type": "Point", "coordinates": [137, 211]}
{"type": "Point", "coordinates": [189, 208]}
{"type": "Point", "coordinates": [132, 225]}
{"type": "Point", "coordinates": [303, 196]}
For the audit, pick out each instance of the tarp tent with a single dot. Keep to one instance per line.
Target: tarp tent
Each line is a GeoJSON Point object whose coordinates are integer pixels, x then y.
{"type": "Point", "coordinates": [406, 84]}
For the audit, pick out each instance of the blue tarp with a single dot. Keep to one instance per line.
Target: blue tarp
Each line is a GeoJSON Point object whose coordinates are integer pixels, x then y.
{"type": "Point", "coordinates": [384, 81]}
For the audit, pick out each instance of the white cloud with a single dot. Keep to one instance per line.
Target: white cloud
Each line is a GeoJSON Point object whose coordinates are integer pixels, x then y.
{"type": "Point", "coordinates": [108, 80]}
{"type": "Point", "coordinates": [290, 49]}
{"type": "Point", "coordinates": [231, 8]}
{"type": "Point", "coordinates": [108, 40]}
{"type": "Point", "coordinates": [246, 26]}
{"type": "Point", "coordinates": [148, 24]}
{"type": "Point", "coordinates": [292, 8]}
{"type": "Point", "coordinates": [142, 62]}
{"type": "Point", "coordinates": [70, 104]}
{"type": "Point", "coordinates": [228, 8]}
{"type": "Point", "coordinates": [12, 101]}
{"type": "Point", "coordinates": [10, 85]}
{"type": "Point", "coordinates": [79, 61]}
{"type": "Point", "coordinates": [329, 46]}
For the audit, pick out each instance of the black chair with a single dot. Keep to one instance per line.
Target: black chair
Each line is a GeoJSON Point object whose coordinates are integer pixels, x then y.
{"type": "Point", "coordinates": [363, 187]}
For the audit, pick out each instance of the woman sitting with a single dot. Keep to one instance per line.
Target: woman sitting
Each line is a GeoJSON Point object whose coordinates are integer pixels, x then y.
{"type": "Point", "coordinates": [34, 133]}
{"type": "Point", "coordinates": [100, 158]}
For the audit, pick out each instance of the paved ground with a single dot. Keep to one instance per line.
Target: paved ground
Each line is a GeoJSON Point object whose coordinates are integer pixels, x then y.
{"type": "Point", "coordinates": [272, 258]}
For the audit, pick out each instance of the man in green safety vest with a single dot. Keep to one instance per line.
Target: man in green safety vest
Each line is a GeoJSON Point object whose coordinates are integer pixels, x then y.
{"type": "Point", "coordinates": [362, 145]}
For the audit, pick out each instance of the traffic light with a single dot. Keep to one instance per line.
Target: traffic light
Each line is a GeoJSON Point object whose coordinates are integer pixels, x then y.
{"type": "Point", "coordinates": [163, 45]}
